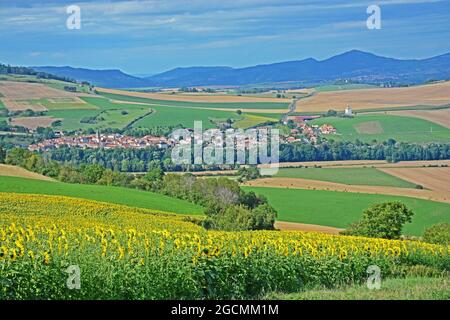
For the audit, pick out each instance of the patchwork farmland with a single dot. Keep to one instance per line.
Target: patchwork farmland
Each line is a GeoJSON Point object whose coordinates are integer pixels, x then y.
{"type": "Point", "coordinates": [430, 95]}
{"type": "Point", "coordinates": [18, 96]}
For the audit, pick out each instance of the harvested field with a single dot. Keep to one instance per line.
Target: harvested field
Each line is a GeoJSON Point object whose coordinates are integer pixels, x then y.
{"type": "Point", "coordinates": [24, 95]}
{"type": "Point", "coordinates": [441, 116]}
{"type": "Point", "coordinates": [294, 226]}
{"type": "Point", "coordinates": [214, 98]}
{"type": "Point", "coordinates": [34, 122]}
{"type": "Point", "coordinates": [297, 183]}
{"type": "Point", "coordinates": [25, 90]}
{"type": "Point", "coordinates": [19, 105]}
{"type": "Point", "coordinates": [13, 171]}
{"type": "Point", "coordinates": [427, 95]}
{"type": "Point", "coordinates": [436, 179]}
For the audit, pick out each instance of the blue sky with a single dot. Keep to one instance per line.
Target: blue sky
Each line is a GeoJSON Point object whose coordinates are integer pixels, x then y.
{"type": "Point", "coordinates": [146, 37]}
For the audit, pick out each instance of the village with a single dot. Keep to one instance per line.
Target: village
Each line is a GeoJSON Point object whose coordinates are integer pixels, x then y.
{"type": "Point", "coordinates": [299, 131]}
{"type": "Point", "coordinates": [106, 141]}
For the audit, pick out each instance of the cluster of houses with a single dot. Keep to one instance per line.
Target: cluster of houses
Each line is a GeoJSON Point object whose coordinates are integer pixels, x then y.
{"type": "Point", "coordinates": [304, 132]}
{"type": "Point", "coordinates": [106, 141]}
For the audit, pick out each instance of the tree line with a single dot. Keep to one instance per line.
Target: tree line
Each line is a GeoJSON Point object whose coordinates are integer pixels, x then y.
{"type": "Point", "coordinates": [136, 160]}
{"type": "Point", "coordinates": [8, 69]}
{"type": "Point", "coordinates": [390, 150]}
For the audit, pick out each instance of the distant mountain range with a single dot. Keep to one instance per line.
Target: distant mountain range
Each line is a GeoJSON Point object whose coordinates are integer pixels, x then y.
{"type": "Point", "coordinates": [355, 65]}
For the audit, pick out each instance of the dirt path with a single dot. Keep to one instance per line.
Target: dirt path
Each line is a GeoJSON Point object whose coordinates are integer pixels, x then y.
{"type": "Point", "coordinates": [294, 226]}
{"type": "Point", "coordinates": [297, 183]}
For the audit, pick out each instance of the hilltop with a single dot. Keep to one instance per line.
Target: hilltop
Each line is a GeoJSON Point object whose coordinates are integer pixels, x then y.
{"type": "Point", "coordinates": [354, 65]}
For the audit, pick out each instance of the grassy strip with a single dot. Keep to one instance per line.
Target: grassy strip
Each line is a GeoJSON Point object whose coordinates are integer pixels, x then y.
{"type": "Point", "coordinates": [117, 195]}
{"type": "Point", "coordinates": [416, 288]}
{"type": "Point", "coordinates": [351, 176]}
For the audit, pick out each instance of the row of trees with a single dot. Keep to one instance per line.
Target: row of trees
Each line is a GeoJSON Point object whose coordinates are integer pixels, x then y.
{"type": "Point", "coordinates": [345, 150]}
{"type": "Point", "coordinates": [133, 160]}
{"type": "Point", "coordinates": [8, 69]}
{"type": "Point", "coordinates": [123, 160]}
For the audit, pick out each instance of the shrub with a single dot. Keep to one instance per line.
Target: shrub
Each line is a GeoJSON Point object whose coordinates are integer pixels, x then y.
{"type": "Point", "coordinates": [384, 220]}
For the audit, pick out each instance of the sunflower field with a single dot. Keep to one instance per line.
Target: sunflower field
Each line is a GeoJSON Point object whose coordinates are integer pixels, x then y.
{"type": "Point", "coordinates": [127, 253]}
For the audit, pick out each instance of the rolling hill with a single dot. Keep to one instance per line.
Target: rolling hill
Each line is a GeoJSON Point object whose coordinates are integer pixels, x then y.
{"type": "Point", "coordinates": [107, 78]}
{"type": "Point", "coordinates": [353, 65]}
{"type": "Point", "coordinates": [117, 195]}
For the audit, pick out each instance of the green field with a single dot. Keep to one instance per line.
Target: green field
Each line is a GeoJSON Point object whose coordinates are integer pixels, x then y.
{"type": "Point", "coordinates": [411, 288]}
{"type": "Point", "coordinates": [251, 120]}
{"type": "Point", "coordinates": [107, 114]}
{"type": "Point", "coordinates": [117, 195]}
{"type": "Point", "coordinates": [338, 209]}
{"type": "Point", "coordinates": [340, 87]}
{"type": "Point", "coordinates": [170, 116]}
{"type": "Point", "coordinates": [383, 127]}
{"type": "Point", "coordinates": [188, 104]}
{"type": "Point", "coordinates": [110, 115]}
{"type": "Point", "coordinates": [354, 176]}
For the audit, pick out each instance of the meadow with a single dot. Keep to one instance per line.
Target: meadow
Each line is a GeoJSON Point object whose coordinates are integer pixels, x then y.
{"type": "Point", "coordinates": [408, 288]}
{"type": "Point", "coordinates": [170, 116]}
{"type": "Point", "coordinates": [383, 127]}
{"type": "Point", "coordinates": [339, 87]}
{"type": "Point", "coordinates": [338, 209]}
{"type": "Point", "coordinates": [350, 176]}
{"type": "Point", "coordinates": [125, 253]}
{"type": "Point", "coordinates": [117, 195]}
